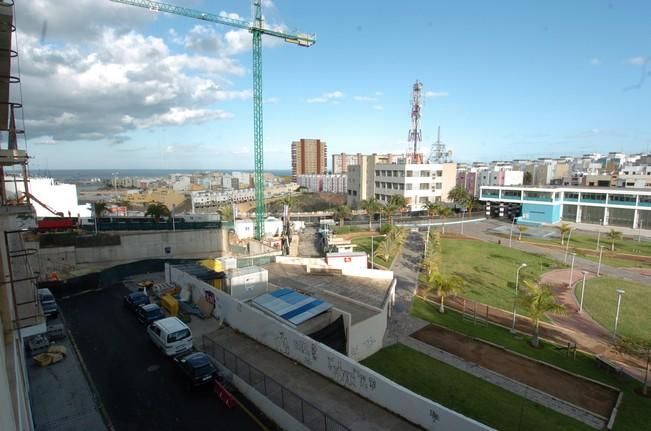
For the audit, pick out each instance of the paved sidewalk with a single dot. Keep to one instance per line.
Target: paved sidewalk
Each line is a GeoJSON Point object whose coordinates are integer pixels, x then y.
{"type": "Point", "coordinates": [405, 267]}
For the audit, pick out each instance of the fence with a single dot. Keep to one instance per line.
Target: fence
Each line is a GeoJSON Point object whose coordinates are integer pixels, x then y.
{"type": "Point", "coordinates": [312, 417]}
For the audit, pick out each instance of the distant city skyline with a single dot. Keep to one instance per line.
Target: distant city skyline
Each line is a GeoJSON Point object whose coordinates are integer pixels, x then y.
{"type": "Point", "coordinates": [114, 85]}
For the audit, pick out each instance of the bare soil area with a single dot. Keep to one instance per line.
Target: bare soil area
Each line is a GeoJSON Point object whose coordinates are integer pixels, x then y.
{"type": "Point", "coordinates": [584, 393]}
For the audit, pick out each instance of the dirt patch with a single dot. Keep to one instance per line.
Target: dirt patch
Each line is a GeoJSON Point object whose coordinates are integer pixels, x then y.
{"type": "Point", "coordinates": [589, 395]}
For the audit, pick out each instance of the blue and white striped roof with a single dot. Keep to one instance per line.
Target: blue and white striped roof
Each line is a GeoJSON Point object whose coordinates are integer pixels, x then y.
{"type": "Point", "coordinates": [291, 306]}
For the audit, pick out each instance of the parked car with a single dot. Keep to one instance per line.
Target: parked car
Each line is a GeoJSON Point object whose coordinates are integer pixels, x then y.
{"type": "Point", "coordinates": [197, 369]}
{"type": "Point", "coordinates": [170, 335]}
{"type": "Point", "coordinates": [134, 300]}
{"type": "Point", "coordinates": [48, 304]}
{"type": "Point", "coordinates": [149, 313]}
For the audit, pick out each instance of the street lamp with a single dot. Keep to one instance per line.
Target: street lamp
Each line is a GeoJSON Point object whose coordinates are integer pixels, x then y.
{"type": "Point", "coordinates": [620, 292]}
{"type": "Point", "coordinates": [582, 291]}
{"type": "Point", "coordinates": [173, 224]}
{"type": "Point", "coordinates": [515, 298]}
{"type": "Point", "coordinates": [571, 270]}
{"type": "Point", "coordinates": [567, 245]}
{"type": "Point", "coordinates": [511, 234]}
{"type": "Point", "coordinates": [599, 233]}
{"type": "Point", "coordinates": [601, 252]}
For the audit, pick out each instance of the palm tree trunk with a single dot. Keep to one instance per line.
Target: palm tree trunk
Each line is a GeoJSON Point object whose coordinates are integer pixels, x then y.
{"type": "Point", "coordinates": [612, 246]}
{"type": "Point", "coordinates": [536, 337]}
{"type": "Point", "coordinates": [520, 237]}
{"type": "Point", "coordinates": [370, 218]}
{"type": "Point", "coordinates": [442, 306]}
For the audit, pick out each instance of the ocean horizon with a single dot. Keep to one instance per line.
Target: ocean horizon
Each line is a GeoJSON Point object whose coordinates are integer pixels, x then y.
{"type": "Point", "coordinates": [88, 174]}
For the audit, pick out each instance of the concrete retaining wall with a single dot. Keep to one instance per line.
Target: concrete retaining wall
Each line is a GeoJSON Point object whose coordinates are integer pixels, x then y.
{"type": "Point", "coordinates": [146, 245]}
{"type": "Point", "coordinates": [329, 363]}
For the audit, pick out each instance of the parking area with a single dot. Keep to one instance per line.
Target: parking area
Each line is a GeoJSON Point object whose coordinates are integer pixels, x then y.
{"type": "Point", "coordinates": [138, 387]}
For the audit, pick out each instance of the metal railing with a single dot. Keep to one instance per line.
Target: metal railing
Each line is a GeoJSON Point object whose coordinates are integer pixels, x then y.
{"type": "Point", "coordinates": [301, 410]}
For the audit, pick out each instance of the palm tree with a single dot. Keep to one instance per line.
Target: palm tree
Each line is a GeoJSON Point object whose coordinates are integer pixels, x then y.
{"type": "Point", "coordinates": [614, 235]}
{"type": "Point", "coordinates": [157, 210]}
{"type": "Point", "coordinates": [395, 203]}
{"type": "Point", "coordinates": [341, 212]}
{"type": "Point", "coordinates": [226, 213]}
{"type": "Point", "coordinates": [446, 286]}
{"type": "Point", "coordinates": [384, 250]}
{"type": "Point", "coordinates": [289, 200]}
{"type": "Point", "coordinates": [371, 206]}
{"type": "Point", "coordinates": [538, 299]}
{"type": "Point", "coordinates": [521, 229]}
{"type": "Point", "coordinates": [99, 208]}
{"type": "Point", "coordinates": [444, 212]}
{"type": "Point", "coordinates": [460, 196]}
{"type": "Point", "coordinates": [563, 228]}
{"type": "Point", "coordinates": [432, 208]}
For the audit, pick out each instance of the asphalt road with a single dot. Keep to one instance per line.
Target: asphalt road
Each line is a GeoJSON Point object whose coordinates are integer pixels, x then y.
{"type": "Point", "coordinates": [139, 388]}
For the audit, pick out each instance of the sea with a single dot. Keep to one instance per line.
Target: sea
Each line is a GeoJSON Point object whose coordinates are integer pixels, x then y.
{"type": "Point", "coordinates": [86, 175]}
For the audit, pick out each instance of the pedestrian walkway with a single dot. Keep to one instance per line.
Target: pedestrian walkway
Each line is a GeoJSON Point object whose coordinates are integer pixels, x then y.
{"type": "Point", "coordinates": [405, 267]}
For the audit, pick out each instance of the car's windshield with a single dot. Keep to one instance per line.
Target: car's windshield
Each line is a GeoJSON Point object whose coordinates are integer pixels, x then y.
{"type": "Point", "coordinates": [202, 370]}
{"type": "Point", "coordinates": [178, 335]}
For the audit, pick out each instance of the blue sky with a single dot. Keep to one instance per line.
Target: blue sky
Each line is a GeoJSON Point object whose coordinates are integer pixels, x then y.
{"type": "Point", "coordinates": [507, 79]}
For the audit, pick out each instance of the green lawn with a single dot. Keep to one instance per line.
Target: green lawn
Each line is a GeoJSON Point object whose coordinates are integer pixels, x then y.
{"type": "Point", "coordinates": [465, 393]}
{"type": "Point", "coordinates": [489, 269]}
{"type": "Point", "coordinates": [617, 262]}
{"type": "Point", "coordinates": [635, 411]}
{"type": "Point", "coordinates": [364, 244]}
{"type": "Point", "coordinates": [601, 303]}
{"type": "Point", "coordinates": [628, 245]}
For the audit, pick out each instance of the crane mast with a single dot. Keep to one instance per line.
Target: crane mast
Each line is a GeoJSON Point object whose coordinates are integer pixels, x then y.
{"type": "Point", "coordinates": [257, 29]}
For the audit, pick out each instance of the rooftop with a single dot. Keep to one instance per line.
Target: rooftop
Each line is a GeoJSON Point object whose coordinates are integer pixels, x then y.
{"type": "Point", "coordinates": [362, 297]}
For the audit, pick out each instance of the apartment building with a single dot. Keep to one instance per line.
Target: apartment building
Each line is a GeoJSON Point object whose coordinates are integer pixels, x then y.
{"type": "Point", "coordinates": [323, 183]}
{"type": "Point", "coordinates": [309, 156]}
{"type": "Point", "coordinates": [360, 178]}
{"type": "Point", "coordinates": [418, 183]}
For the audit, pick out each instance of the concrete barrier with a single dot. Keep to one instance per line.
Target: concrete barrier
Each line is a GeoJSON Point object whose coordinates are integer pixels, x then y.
{"type": "Point", "coordinates": [327, 362]}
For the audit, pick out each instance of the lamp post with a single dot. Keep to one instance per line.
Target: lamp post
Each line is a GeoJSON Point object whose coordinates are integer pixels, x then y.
{"type": "Point", "coordinates": [601, 252]}
{"type": "Point", "coordinates": [567, 245]}
{"type": "Point", "coordinates": [173, 223]}
{"type": "Point", "coordinates": [582, 291]}
{"type": "Point", "coordinates": [620, 292]}
{"type": "Point", "coordinates": [515, 298]}
{"type": "Point", "coordinates": [571, 270]}
{"type": "Point", "coordinates": [463, 213]}
{"type": "Point", "coordinates": [599, 233]}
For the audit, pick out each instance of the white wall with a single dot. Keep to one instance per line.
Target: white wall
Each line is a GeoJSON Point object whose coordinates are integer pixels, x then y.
{"type": "Point", "coordinates": [148, 245]}
{"type": "Point", "coordinates": [331, 364]}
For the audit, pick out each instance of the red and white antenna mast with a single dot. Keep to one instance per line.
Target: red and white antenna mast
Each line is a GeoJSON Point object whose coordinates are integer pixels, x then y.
{"type": "Point", "coordinates": [415, 133]}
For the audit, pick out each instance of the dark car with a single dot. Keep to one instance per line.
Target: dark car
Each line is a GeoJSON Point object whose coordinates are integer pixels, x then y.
{"type": "Point", "coordinates": [48, 304]}
{"type": "Point", "coordinates": [134, 300]}
{"type": "Point", "coordinates": [197, 369]}
{"type": "Point", "coordinates": [149, 313]}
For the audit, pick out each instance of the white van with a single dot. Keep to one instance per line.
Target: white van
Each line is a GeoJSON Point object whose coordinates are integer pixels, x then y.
{"type": "Point", "coordinates": [171, 336]}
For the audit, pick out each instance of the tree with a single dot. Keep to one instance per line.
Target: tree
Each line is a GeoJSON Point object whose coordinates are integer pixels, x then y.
{"type": "Point", "coordinates": [444, 212]}
{"type": "Point", "coordinates": [341, 212]}
{"type": "Point", "coordinates": [538, 299]}
{"type": "Point", "coordinates": [397, 236]}
{"type": "Point", "coordinates": [446, 286]}
{"type": "Point", "coordinates": [521, 229]}
{"type": "Point", "coordinates": [431, 262]}
{"type": "Point", "coordinates": [432, 208]}
{"type": "Point", "coordinates": [640, 348]}
{"type": "Point", "coordinates": [527, 179]}
{"type": "Point", "coordinates": [460, 196]}
{"type": "Point", "coordinates": [289, 200]}
{"type": "Point", "coordinates": [395, 203]}
{"type": "Point", "coordinates": [564, 229]}
{"type": "Point", "coordinates": [384, 250]}
{"type": "Point", "coordinates": [99, 208]}
{"type": "Point", "coordinates": [226, 213]}
{"type": "Point", "coordinates": [614, 235]}
{"type": "Point", "coordinates": [156, 210]}
{"type": "Point", "coordinates": [371, 206]}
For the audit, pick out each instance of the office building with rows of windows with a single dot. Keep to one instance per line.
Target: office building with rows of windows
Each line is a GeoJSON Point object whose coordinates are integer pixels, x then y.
{"type": "Point", "coordinates": [607, 206]}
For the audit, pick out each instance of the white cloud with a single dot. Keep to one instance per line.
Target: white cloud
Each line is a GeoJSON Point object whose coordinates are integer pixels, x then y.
{"type": "Point", "coordinates": [595, 61]}
{"type": "Point", "coordinates": [327, 97]}
{"type": "Point", "coordinates": [638, 61]}
{"type": "Point", "coordinates": [436, 94]}
{"type": "Point", "coordinates": [378, 107]}
{"type": "Point", "coordinates": [103, 83]}
{"type": "Point", "coordinates": [364, 98]}
{"type": "Point", "coordinates": [43, 140]}
{"type": "Point", "coordinates": [379, 93]}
